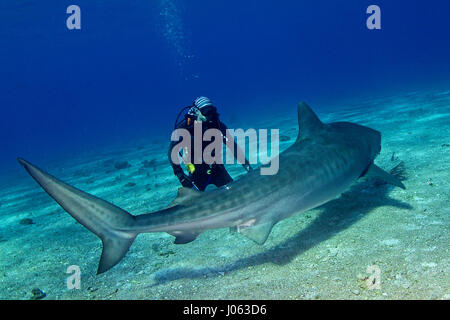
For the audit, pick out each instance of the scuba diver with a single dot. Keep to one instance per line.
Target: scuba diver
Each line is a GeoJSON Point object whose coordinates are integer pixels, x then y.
{"type": "Point", "coordinates": [201, 175]}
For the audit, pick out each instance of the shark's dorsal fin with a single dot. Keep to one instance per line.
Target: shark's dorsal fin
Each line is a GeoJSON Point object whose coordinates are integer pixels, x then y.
{"type": "Point", "coordinates": [258, 233]}
{"type": "Point", "coordinates": [308, 122]}
{"type": "Point", "coordinates": [184, 194]}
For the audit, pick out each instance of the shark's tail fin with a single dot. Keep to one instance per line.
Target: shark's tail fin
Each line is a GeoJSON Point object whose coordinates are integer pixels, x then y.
{"type": "Point", "coordinates": [110, 223]}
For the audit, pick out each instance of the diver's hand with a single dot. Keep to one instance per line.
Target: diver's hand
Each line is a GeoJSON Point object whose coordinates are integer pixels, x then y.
{"type": "Point", "coordinates": [185, 181]}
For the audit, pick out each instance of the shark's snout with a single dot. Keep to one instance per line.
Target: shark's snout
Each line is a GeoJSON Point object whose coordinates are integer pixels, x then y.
{"type": "Point", "coordinates": [21, 161]}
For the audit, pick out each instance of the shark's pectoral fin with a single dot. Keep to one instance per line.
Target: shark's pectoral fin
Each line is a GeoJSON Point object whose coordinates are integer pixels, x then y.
{"type": "Point", "coordinates": [182, 237]}
{"type": "Point", "coordinates": [375, 172]}
{"type": "Point", "coordinates": [258, 233]}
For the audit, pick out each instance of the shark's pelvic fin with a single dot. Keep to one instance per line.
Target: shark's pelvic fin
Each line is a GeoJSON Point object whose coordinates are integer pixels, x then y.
{"type": "Point", "coordinates": [308, 122]}
{"type": "Point", "coordinates": [258, 233]}
{"type": "Point", "coordinates": [109, 222]}
{"type": "Point", "coordinates": [375, 172]}
{"type": "Point", "coordinates": [233, 229]}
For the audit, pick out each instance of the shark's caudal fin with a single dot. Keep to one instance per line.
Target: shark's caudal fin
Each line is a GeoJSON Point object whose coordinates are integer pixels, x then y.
{"type": "Point", "coordinates": [110, 223]}
{"type": "Point", "coordinates": [308, 122]}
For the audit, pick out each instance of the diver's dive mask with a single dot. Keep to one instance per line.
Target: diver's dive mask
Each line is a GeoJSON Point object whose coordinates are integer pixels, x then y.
{"type": "Point", "coordinates": [203, 114]}
{"type": "Point", "coordinates": [209, 113]}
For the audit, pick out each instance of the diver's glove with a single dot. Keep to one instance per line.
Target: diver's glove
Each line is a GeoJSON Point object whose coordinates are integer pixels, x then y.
{"type": "Point", "coordinates": [185, 181]}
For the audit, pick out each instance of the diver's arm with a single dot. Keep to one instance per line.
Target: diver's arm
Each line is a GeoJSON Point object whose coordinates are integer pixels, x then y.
{"type": "Point", "coordinates": [238, 153]}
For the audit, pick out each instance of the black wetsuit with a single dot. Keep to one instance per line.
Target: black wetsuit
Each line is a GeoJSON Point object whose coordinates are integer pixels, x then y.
{"type": "Point", "coordinates": [204, 174]}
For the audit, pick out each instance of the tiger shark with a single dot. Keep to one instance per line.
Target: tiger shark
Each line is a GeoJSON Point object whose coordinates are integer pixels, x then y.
{"type": "Point", "coordinates": [324, 161]}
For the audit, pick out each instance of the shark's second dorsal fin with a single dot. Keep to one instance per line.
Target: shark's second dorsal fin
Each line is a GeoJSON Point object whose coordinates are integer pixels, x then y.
{"type": "Point", "coordinates": [184, 194]}
{"type": "Point", "coordinates": [308, 122]}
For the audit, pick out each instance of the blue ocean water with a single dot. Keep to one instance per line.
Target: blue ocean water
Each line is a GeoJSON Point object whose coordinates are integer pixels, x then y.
{"type": "Point", "coordinates": [134, 64]}
{"type": "Point", "coordinates": [75, 101]}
